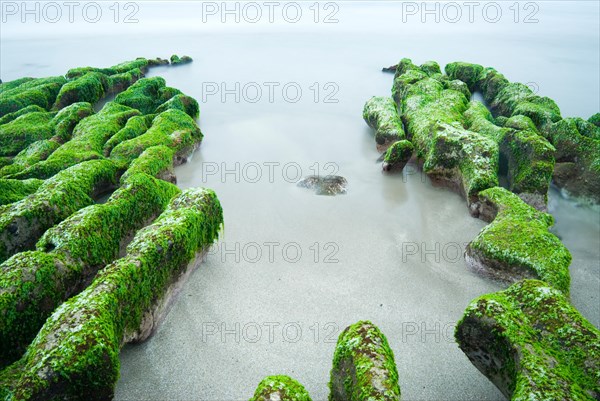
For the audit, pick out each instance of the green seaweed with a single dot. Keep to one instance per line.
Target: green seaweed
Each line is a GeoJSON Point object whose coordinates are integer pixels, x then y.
{"type": "Point", "coordinates": [15, 190]}
{"type": "Point", "coordinates": [280, 387]}
{"type": "Point", "coordinates": [380, 113]}
{"type": "Point", "coordinates": [398, 155]}
{"type": "Point", "coordinates": [363, 366]}
{"type": "Point", "coordinates": [88, 88]}
{"type": "Point", "coordinates": [532, 344]}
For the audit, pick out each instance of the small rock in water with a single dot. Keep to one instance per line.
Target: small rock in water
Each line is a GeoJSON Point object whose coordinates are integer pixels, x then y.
{"type": "Point", "coordinates": [324, 185]}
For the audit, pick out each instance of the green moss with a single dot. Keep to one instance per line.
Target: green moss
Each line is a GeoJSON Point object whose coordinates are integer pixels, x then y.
{"type": "Point", "coordinates": [75, 354]}
{"type": "Point", "coordinates": [468, 73]}
{"type": "Point", "coordinates": [87, 88]}
{"type": "Point", "coordinates": [154, 161]}
{"type": "Point", "coordinates": [430, 68]}
{"type": "Point", "coordinates": [363, 366]}
{"type": "Point", "coordinates": [398, 155]}
{"type": "Point", "coordinates": [134, 127]}
{"type": "Point", "coordinates": [24, 130]}
{"type": "Point", "coordinates": [137, 64]}
{"type": "Point", "coordinates": [517, 243]}
{"type": "Point", "coordinates": [172, 128]}
{"type": "Point", "coordinates": [67, 118]}
{"type": "Point", "coordinates": [280, 387]}
{"type": "Point", "coordinates": [380, 113]}
{"type": "Point", "coordinates": [5, 86]}
{"type": "Point", "coordinates": [532, 343]}
{"type": "Point", "coordinates": [15, 190]}
{"type": "Point", "coordinates": [176, 60]}
{"type": "Point", "coordinates": [87, 143]}
{"type": "Point", "coordinates": [40, 92]}
{"type": "Point", "coordinates": [23, 222]}
{"type": "Point", "coordinates": [34, 153]}
{"type": "Point", "coordinates": [144, 95]}
{"type": "Point", "coordinates": [121, 81]}
{"type": "Point", "coordinates": [181, 102]}
{"type": "Point", "coordinates": [595, 119]}
{"type": "Point", "coordinates": [11, 116]}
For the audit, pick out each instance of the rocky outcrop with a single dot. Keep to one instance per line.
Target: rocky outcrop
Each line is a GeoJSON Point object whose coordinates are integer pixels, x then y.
{"type": "Point", "coordinates": [363, 366]}
{"type": "Point", "coordinates": [75, 354]}
{"type": "Point", "coordinates": [280, 388]}
{"type": "Point", "coordinates": [532, 344]}
{"type": "Point", "coordinates": [380, 113]}
{"type": "Point", "coordinates": [397, 155]}
{"type": "Point", "coordinates": [517, 243]}
{"type": "Point", "coordinates": [433, 114]}
{"type": "Point", "coordinates": [577, 142]}
{"type": "Point", "coordinates": [176, 60]}
{"type": "Point", "coordinates": [68, 256]}
{"type": "Point", "coordinates": [330, 185]}
{"type": "Point", "coordinates": [24, 222]}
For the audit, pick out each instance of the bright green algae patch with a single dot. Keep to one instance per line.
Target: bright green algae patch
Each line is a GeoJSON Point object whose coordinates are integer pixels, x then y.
{"type": "Point", "coordinates": [577, 142]}
{"type": "Point", "coordinates": [40, 92]}
{"type": "Point", "coordinates": [75, 354]}
{"type": "Point", "coordinates": [398, 155]}
{"type": "Point", "coordinates": [517, 243]}
{"type": "Point", "coordinates": [380, 113]}
{"type": "Point", "coordinates": [363, 366]}
{"type": "Point", "coordinates": [23, 222]}
{"type": "Point", "coordinates": [280, 388]}
{"type": "Point", "coordinates": [156, 161]}
{"type": "Point", "coordinates": [32, 286]}
{"type": "Point", "coordinates": [432, 111]}
{"type": "Point", "coordinates": [14, 190]}
{"type": "Point", "coordinates": [532, 344]}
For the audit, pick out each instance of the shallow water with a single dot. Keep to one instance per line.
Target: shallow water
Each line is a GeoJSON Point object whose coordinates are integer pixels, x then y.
{"type": "Point", "coordinates": [390, 250]}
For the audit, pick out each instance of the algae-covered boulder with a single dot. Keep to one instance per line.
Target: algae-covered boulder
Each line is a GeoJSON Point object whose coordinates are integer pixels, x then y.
{"type": "Point", "coordinates": [363, 366]}
{"type": "Point", "coordinates": [40, 92]}
{"type": "Point", "coordinates": [397, 155]}
{"type": "Point", "coordinates": [433, 115]}
{"type": "Point", "coordinates": [75, 354]}
{"type": "Point", "coordinates": [147, 94]}
{"type": "Point", "coordinates": [87, 143]}
{"type": "Point", "coordinates": [23, 222]}
{"type": "Point", "coordinates": [156, 161]}
{"type": "Point", "coordinates": [468, 73]}
{"type": "Point", "coordinates": [33, 284]}
{"type": "Point", "coordinates": [181, 102]}
{"type": "Point", "coordinates": [529, 157]}
{"type": "Point", "coordinates": [172, 128]}
{"type": "Point", "coordinates": [280, 388]}
{"type": "Point", "coordinates": [517, 243]}
{"type": "Point", "coordinates": [595, 119]}
{"type": "Point", "coordinates": [134, 127]}
{"type": "Point", "coordinates": [14, 190]}
{"type": "Point", "coordinates": [176, 60]}
{"type": "Point", "coordinates": [89, 88]}
{"type": "Point", "coordinates": [380, 113]}
{"type": "Point", "coordinates": [24, 130]}
{"type": "Point", "coordinates": [532, 344]}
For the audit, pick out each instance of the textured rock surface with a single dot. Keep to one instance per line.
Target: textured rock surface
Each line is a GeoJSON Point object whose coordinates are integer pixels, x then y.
{"type": "Point", "coordinates": [363, 366]}
{"type": "Point", "coordinates": [517, 243]}
{"type": "Point", "coordinates": [280, 388]}
{"type": "Point", "coordinates": [324, 185]}
{"type": "Point", "coordinates": [532, 344]}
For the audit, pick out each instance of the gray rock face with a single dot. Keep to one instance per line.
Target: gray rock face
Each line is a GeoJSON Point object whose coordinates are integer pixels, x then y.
{"type": "Point", "coordinates": [330, 185]}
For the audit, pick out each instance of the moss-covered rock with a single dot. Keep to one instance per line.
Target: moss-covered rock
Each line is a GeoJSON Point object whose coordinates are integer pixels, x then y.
{"type": "Point", "coordinates": [31, 127]}
{"type": "Point", "coordinates": [380, 113]}
{"type": "Point", "coordinates": [23, 222]}
{"type": "Point", "coordinates": [181, 102]}
{"type": "Point", "coordinates": [433, 116]}
{"type": "Point", "coordinates": [517, 243]}
{"type": "Point", "coordinates": [595, 119]}
{"type": "Point", "coordinates": [397, 155]}
{"type": "Point", "coordinates": [577, 158]}
{"type": "Point", "coordinates": [68, 256]}
{"type": "Point", "coordinates": [176, 60]}
{"type": "Point", "coordinates": [146, 95]}
{"type": "Point", "coordinates": [40, 92]}
{"type": "Point", "coordinates": [75, 354]}
{"type": "Point", "coordinates": [529, 157]}
{"type": "Point", "coordinates": [363, 366]}
{"type": "Point", "coordinates": [280, 388]}
{"type": "Point", "coordinates": [87, 143]}
{"type": "Point", "coordinates": [11, 116]}
{"type": "Point", "coordinates": [172, 128]}
{"type": "Point", "coordinates": [29, 156]}
{"type": "Point", "coordinates": [127, 66]}
{"type": "Point", "coordinates": [15, 190]}
{"type": "Point", "coordinates": [156, 161]}
{"type": "Point", "coordinates": [134, 127]}
{"type": "Point", "coordinates": [532, 344]}
{"type": "Point", "coordinates": [87, 88]}
{"type": "Point", "coordinates": [468, 73]}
